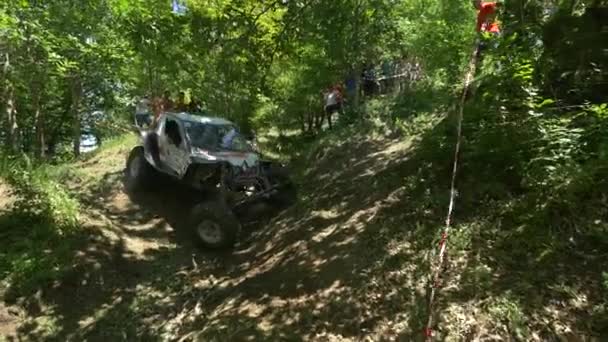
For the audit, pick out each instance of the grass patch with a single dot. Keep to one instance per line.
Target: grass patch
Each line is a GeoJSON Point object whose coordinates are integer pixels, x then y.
{"type": "Point", "coordinates": [365, 228]}
{"type": "Point", "coordinates": [41, 232]}
{"type": "Point", "coordinates": [507, 314]}
{"type": "Point", "coordinates": [37, 234]}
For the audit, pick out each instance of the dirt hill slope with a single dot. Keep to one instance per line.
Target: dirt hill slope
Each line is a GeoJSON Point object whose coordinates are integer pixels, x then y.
{"type": "Point", "coordinates": [348, 262]}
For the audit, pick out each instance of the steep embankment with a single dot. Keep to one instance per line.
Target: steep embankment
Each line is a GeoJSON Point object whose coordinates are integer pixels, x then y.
{"type": "Point", "coordinates": [312, 270]}
{"type": "Point", "coordinates": [348, 262]}
{"type": "Point", "coordinates": [8, 319]}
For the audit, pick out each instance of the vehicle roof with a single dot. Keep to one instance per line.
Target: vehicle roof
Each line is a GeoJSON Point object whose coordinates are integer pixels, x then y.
{"type": "Point", "coordinates": [184, 116]}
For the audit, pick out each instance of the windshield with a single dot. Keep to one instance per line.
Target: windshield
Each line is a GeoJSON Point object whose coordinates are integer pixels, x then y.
{"type": "Point", "coordinates": [215, 137]}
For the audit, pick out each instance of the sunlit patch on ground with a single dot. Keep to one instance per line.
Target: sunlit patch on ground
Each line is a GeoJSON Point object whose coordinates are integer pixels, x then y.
{"type": "Point", "coordinates": [6, 198]}
{"type": "Point", "coordinates": [349, 262]}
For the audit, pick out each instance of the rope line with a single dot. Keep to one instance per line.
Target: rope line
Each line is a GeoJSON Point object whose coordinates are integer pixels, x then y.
{"type": "Point", "coordinates": [428, 331]}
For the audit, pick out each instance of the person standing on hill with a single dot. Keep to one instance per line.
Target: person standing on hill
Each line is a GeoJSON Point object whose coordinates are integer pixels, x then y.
{"type": "Point", "coordinates": [387, 76]}
{"type": "Point", "coordinates": [157, 109]}
{"type": "Point", "coordinates": [488, 27]}
{"type": "Point", "coordinates": [194, 106]}
{"type": "Point", "coordinates": [167, 103]}
{"type": "Point", "coordinates": [350, 84]}
{"type": "Point", "coordinates": [486, 16]}
{"type": "Point", "coordinates": [181, 105]}
{"type": "Point", "coordinates": [333, 102]}
{"type": "Point", "coordinates": [143, 112]}
{"type": "Point", "coordinates": [370, 81]}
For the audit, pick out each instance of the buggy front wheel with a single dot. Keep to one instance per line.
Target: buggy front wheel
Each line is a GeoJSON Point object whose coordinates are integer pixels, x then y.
{"type": "Point", "coordinates": [214, 225]}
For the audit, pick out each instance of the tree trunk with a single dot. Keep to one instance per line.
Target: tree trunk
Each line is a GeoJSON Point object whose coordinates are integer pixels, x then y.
{"type": "Point", "coordinates": [357, 67]}
{"type": "Point", "coordinates": [9, 109]}
{"type": "Point", "coordinates": [76, 90]}
{"type": "Point", "coordinates": [302, 121]}
{"type": "Point", "coordinates": [51, 147]}
{"type": "Point", "coordinates": [11, 115]}
{"type": "Point", "coordinates": [38, 121]}
{"type": "Point", "coordinates": [310, 117]}
{"type": "Point", "coordinates": [319, 118]}
{"type": "Point", "coordinates": [357, 89]}
{"type": "Point", "coordinates": [37, 83]}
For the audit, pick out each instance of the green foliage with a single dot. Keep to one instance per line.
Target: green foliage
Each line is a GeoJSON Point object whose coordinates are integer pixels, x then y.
{"type": "Point", "coordinates": [533, 160]}
{"type": "Point", "coordinates": [253, 62]}
{"type": "Point", "coordinates": [42, 200]}
{"type": "Point", "coordinates": [506, 310]}
{"type": "Point", "coordinates": [64, 61]}
{"type": "Point", "coordinates": [534, 153]}
{"type": "Point", "coordinates": [425, 96]}
{"type": "Point", "coordinates": [37, 232]}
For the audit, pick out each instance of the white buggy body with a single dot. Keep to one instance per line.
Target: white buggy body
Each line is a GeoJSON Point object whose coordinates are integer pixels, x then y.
{"type": "Point", "coordinates": [208, 155]}
{"type": "Point", "coordinates": [198, 147]}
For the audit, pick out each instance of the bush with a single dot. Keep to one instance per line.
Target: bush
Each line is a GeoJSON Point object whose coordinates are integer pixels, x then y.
{"type": "Point", "coordinates": [37, 233]}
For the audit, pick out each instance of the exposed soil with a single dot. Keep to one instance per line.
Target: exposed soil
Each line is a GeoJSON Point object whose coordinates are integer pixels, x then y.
{"type": "Point", "coordinates": [348, 262]}
{"type": "Point", "coordinates": [6, 197]}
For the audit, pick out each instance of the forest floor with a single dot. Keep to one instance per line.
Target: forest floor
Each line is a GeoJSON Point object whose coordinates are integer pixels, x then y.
{"type": "Point", "coordinates": [5, 197]}
{"type": "Point", "coordinates": [349, 261]}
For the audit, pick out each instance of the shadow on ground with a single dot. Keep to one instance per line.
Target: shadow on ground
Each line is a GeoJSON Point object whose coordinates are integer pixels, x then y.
{"type": "Point", "coordinates": [349, 261]}
{"type": "Point", "coordinates": [305, 273]}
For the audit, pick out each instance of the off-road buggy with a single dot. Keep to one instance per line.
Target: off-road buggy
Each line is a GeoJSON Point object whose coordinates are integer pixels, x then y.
{"type": "Point", "coordinates": [210, 156]}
